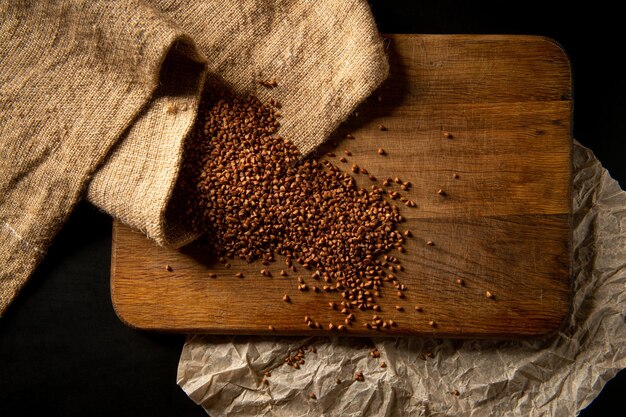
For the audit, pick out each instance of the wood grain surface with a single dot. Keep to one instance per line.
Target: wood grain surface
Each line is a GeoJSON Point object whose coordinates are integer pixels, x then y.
{"type": "Point", "coordinates": [503, 225]}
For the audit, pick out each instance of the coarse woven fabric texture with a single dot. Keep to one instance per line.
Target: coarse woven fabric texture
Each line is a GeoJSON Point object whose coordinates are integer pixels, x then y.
{"type": "Point", "coordinates": [73, 77]}
{"type": "Point", "coordinates": [97, 97]}
{"type": "Point", "coordinates": [326, 57]}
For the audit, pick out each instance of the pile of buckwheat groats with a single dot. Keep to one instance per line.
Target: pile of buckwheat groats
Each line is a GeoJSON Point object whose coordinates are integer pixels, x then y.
{"type": "Point", "coordinates": [250, 191]}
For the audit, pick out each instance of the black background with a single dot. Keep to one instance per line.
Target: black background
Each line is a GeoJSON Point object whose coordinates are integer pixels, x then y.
{"type": "Point", "coordinates": [64, 352]}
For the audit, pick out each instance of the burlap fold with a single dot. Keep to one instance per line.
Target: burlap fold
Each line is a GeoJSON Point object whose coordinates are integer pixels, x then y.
{"type": "Point", "coordinates": [108, 90]}
{"type": "Point", "coordinates": [326, 57]}
{"type": "Point", "coordinates": [73, 78]}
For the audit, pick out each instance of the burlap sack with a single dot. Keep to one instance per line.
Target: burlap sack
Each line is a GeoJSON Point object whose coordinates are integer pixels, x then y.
{"type": "Point", "coordinates": [326, 57]}
{"type": "Point", "coordinates": [110, 89]}
{"type": "Point", "coordinates": [73, 78]}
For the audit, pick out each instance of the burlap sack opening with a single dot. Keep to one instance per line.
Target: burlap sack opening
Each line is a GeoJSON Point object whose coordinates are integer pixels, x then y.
{"type": "Point", "coordinates": [88, 75]}
{"type": "Point", "coordinates": [137, 179]}
{"type": "Point", "coordinates": [326, 57]}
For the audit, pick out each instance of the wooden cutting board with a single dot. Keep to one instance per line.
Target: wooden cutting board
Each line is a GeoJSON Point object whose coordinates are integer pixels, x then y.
{"type": "Point", "coordinates": [503, 225]}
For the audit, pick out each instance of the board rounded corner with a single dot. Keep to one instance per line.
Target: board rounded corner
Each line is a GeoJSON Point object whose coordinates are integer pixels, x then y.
{"type": "Point", "coordinates": [559, 49]}
{"type": "Point", "coordinates": [557, 324]}
{"type": "Point", "coordinates": [120, 313]}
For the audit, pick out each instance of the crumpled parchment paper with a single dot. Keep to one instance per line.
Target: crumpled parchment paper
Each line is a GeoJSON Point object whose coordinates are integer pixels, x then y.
{"type": "Point", "coordinates": [557, 376]}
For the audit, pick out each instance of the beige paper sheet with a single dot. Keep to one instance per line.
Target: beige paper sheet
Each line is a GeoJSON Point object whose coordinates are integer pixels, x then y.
{"type": "Point", "coordinates": [557, 376]}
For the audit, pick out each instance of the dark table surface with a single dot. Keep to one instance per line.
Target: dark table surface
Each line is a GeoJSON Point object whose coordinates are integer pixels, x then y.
{"type": "Point", "coordinates": [63, 351]}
